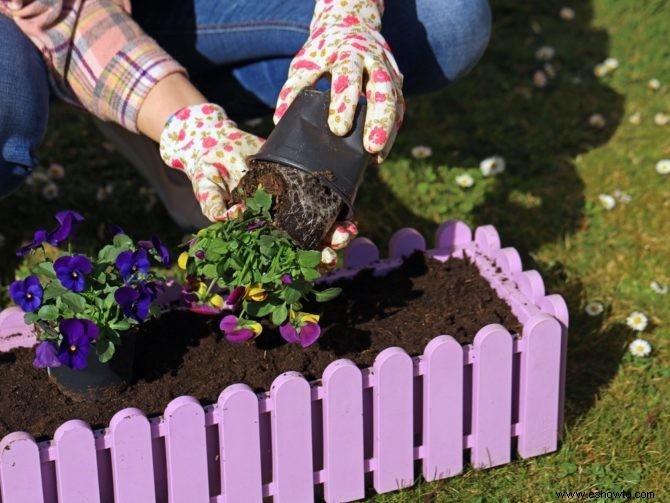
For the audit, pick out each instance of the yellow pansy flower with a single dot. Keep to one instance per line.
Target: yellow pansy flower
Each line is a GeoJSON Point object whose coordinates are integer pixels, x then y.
{"type": "Point", "coordinates": [255, 327]}
{"type": "Point", "coordinates": [216, 301]}
{"type": "Point", "coordinates": [256, 293]}
{"type": "Point", "coordinates": [182, 260]}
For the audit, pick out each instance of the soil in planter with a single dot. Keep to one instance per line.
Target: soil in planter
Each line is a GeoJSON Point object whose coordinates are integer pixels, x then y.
{"type": "Point", "coordinates": [184, 354]}
{"type": "Point", "coordinates": [303, 206]}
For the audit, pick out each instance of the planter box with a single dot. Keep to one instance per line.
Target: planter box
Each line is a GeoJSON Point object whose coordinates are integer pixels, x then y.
{"type": "Point", "coordinates": [330, 437]}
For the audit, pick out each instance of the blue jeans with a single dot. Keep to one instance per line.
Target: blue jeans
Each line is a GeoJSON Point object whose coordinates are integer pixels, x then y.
{"type": "Point", "coordinates": [238, 52]}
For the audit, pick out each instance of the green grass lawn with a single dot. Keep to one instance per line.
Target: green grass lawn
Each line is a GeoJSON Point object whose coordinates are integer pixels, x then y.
{"type": "Point", "coordinates": [546, 204]}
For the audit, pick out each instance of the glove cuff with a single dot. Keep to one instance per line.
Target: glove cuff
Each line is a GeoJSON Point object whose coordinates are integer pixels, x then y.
{"type": "Point", "coordinates": [183, 135]}
{"type": "Point", "coordinates": [347, 13]}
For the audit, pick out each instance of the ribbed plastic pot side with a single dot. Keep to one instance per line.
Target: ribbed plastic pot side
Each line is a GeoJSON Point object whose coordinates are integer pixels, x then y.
{"type": "Point", "coordinates": [313, 173]}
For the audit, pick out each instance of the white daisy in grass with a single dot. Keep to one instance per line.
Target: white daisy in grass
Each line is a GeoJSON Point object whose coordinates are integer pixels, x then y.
{"type": "Point", "coordinates": [465, 181]}
{"type": "Point", "coordinates": [621, 196]}
{"type": "Point", "coordinates": [659, 288]}
{"type": "Point", "coordinates": [637, 321]}
{"type": "Point", "coordinates": [421, 152]}
{"type": "Point", "coordinates": [492, 165]}
{"type": "Point", "coordinates": [600, 70]}
{"type": "Point", "coordinates": [594, 308]}
{"type": "Point", "coordinates": [597, 121]}
{"type": "Point", "coordinates": [545, 53]}
{"type": "Point", "coordinates": [635, 119]}
{"type": "Point", "coordinates": [37, 177]}
{"type": "Point", "coordinates": [639, 347]}
{"type": "Point", "coordinates": [654, 84]}
{"type": "Point", "coordinates": [549, 70]}
{"type": "Point", "coordinates": [540, 79]}
{"type": "Point", "coordinates": [50, 191]}
{"type": "Point", "coordinates": [663, 167]}
{"type": "Point", "coordinates": [55, 171]}
{"type": "Point", "coordinates": [661, 119]}
{"type": "Point", "coordinates": [566, 14]}
{"type": "Point", "coordinates": [535, 27]}
{"type": "Point", "coordinates": [608, 202]}
{"type": "Point", "coordinates": [611, 64]}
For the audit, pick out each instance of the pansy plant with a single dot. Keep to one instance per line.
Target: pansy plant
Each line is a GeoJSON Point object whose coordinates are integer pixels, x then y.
{"type": "Point", "coordinates": [81, 303]}
{"type": "Point", "coordinates": [253, 271]}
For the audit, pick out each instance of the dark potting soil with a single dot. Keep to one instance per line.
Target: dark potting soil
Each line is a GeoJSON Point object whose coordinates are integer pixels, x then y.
{"type": "Point", "coordinates": [304, 207]}
{"type": "Point", "coordinates": [184, 354]}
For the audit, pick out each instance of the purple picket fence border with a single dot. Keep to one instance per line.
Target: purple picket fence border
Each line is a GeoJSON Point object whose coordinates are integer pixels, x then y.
{"type": "Point", "coordinates": [300, 438]}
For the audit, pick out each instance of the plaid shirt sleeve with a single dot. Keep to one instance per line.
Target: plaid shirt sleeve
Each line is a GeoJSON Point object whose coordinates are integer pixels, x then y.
{"type": "Point", "coordinates": [99, 57]}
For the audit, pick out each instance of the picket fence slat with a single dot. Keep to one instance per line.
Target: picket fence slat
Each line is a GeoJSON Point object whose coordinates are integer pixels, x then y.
{"type": "Point", "coordinates": [186, 451]}
{"type": "Point", "coordinates": [508, 260]}
{"type": "Point", "coordinates": [292, 464]}
{"type": "Point", "coordinates": [20, 479]}
{"type": "Point", "coordinates": [492, 397]}
{"type": "Point", "coordinates": [452, 234]}
{"type": "Point", "coordinates": [487, 238]}
{"type": "Point", "coordinates": [540, 389]}
{"type": "Point", "coordinates": [76, 463]}
{"type": "Point", "coordinates": [405, 241]}
{"type": "Point", "coordinates": [361, 252]}
{"type": "Point", "coordinates": [239, 445]}
{"type": "Point", "coordinates": [343, 432]}
{"type": "Point", "coordinates": [393, 416]}
{"type": "Point", "coordinates": [443, 408]}
{"type": "Point", "coordinates": [131, 455]}
{"type": "Point", "coordinates": [530, 284]}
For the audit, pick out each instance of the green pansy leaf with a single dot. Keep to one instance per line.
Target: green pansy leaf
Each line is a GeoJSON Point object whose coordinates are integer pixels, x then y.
{"type": "Point", "coordinates": [48, 312]}
{"type": "Point", "coordinates": [123, 241]}
{"type": "Point", "coordinates": [310, 274]}
{"type": "Point", "coordinates": [120, 325]}
{"type": "Point", "coordinates": [105, 349]}
{"type": "Point", "coordinates": [309, 258]}
{"type": "Point", "coordinates": [327, 294]}
{"type": "Point", "coordinates": [74, 301]}
{"type": "Point", "coordinates": [279, 315]}
{"type": "Point", "coordinates": [45, 269]}
{"type": "Point", "coordinates": [30, 318]}
{"type": "Point", "coordinates": [53, 290]}
{"type": "Point", "coordinates": [291, 295]}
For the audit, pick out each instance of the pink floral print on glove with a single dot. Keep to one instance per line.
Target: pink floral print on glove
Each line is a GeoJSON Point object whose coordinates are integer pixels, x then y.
{"type": "Point", "coordinates": [203, 142]}
{"type": "Point", "coordinates": [345, 42]}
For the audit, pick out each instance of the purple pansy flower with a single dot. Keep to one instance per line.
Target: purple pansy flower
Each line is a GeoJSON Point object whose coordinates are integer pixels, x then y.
{"type": "Point", "coordinates": [27, 293]}
{"type": "Point", "coordinates": [129, 263]}
{"type": "Point", "coordinates": [46, 355]}
{"type": "Point", "coordinates": [306, 335]}
{"type": "Point", "coordinates": [76, 344]}
{"type": "Point", "coordinates": [72, 271]}
{"type": "Point", "coordinates": [234, 297]}
{"type": "Point", "coordinates": [200, 255]}
{"type": "Point", "coordinates": [135, 302]}
{"type": "Point", "coordinates": [39, 237]}
{"type": "Point", "coordinates": [68, 222]}
{"type": "Point", "coordinates": [255, 225]}
{"type": "Point", "coordinates": [161, 250]}
{"type": "Point", "coordinates": [287, 279]}
{"type": "Point", "coordinates": [115, 230]}
{"type": "Point", "coordinates": [233, 333]}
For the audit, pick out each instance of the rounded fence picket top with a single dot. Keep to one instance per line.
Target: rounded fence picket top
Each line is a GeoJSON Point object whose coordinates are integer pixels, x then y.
{"type": "Point", "coordinates": [502, 390]}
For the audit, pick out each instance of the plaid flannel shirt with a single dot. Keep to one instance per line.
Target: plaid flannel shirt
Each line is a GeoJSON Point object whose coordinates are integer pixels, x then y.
{"type": "Point", "coordinates": [98, 57]}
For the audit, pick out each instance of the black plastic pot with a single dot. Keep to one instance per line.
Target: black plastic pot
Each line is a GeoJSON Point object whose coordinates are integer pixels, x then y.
{"type": "Point", "coordinates": [92, 381]}
{"type": "Point", "coordinates": [303, 140]}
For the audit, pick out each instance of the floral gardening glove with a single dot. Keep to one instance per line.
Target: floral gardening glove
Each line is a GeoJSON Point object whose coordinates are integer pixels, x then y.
{"type": "Point", "coordinates": [345, 41]}
{"type": "Point", "coordinates": [203, 142]}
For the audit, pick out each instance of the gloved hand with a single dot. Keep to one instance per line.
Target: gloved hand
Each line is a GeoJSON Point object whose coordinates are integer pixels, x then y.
{"type": "Point", "coordinates": [203, 142]}
{"type": "Point", "coordinates": [345, 41]}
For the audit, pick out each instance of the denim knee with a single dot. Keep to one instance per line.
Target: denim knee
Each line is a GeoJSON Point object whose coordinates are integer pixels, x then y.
{"type": "Point", "coordinates": [24, 105]}
{"type": "Point", "coordinates": [456, 32]}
